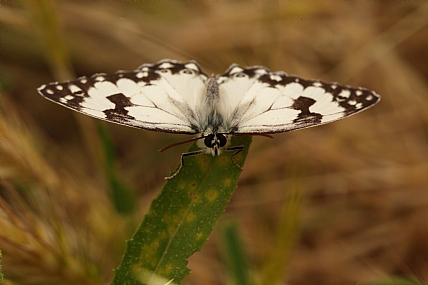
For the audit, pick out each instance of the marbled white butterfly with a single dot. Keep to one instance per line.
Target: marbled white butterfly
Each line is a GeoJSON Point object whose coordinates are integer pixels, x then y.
{"type": "Point", "coordinates": [175, 97]}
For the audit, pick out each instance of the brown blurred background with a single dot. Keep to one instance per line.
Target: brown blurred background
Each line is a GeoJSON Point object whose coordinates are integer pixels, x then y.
{"type": "Point", "coordinates": [364, 211]}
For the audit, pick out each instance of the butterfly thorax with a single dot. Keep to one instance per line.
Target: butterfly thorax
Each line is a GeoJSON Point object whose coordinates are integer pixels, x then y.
{"type": "Point", "coordinates": [210, 119]}
{"type": "Point", "coordinates": [211, 125]}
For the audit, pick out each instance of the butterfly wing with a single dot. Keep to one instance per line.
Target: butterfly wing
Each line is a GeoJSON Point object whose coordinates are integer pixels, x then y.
{"type": "Point", "coordinates": [255, 100]}
{"type": "Point", "coordinates": [160, 97]}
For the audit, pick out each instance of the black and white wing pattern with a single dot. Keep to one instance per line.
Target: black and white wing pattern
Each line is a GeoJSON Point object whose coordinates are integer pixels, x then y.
{"type": "Point", "coordinates": [161, 97]}
{"type": "Point", "coordinates": [255, 100]}
{"type": "Point", "coordinates": [175, 97]}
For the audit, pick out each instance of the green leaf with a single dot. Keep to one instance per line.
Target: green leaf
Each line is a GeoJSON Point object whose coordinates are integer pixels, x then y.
{"type": "Point", "coordinates": [181, 219]}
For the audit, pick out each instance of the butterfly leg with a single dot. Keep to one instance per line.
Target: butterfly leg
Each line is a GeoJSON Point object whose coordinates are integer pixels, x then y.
{"type": "Point", "coordinates": [183, 155]}
{"type": "Point", "coordinates": [238, 149]}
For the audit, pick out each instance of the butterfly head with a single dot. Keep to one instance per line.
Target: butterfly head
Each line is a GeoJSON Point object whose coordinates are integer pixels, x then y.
{"type": "Point", "coordinates": [214, 143]}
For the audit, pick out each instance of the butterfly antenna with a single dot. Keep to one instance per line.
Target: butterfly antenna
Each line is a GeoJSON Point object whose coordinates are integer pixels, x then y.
{"type": "Point", "coordinates": [264, 135]}
{"type": "Point", "coordinates": [260, 135]}
{"type": "Point", "coordinates": [179, 143]}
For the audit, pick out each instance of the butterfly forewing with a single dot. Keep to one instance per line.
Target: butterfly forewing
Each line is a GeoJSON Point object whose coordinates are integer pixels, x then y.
{"type": "Point", "coordinates": [161, 97]}
{"type": "Point", "coordinates": [273, 102]}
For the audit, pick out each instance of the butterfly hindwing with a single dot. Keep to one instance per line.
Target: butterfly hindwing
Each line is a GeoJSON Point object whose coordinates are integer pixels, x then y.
{"type": "Point", "coordinates": [160, 97]}
{"type": "Point", "coordinates": [273, 102]}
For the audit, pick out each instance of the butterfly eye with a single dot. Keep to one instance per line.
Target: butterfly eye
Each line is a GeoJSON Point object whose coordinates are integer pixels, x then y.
{"type": "Point", "coordinates": [187, 71]}
{"type": "Point", "coordinates": [222, 139]}
{"type": "Point", "coordinates": [208, 141]}
{"type": "Point", "coordinates": [164, 70]}
{"type": "Point", "coordinates": [240, 75]}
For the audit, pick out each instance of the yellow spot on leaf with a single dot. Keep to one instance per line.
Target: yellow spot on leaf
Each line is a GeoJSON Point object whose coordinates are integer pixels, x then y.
{"type": "Point", "coordinates": [166, 219]}
{"type": "Point", "coordinates": [211, 195]}
{"type": "Point", "coordinates": [203, 162]}
{"type": "Point", "coordinates": [200, 235]}
{"type": "Point", "coordinates": [190, 217]}
{"type": "Point", "coordinates": [168, 269]}
{"type": "Point", "coordinates": [182, 185]}
{"type": "Point", "coordinates": [171, 230]}
{"type": "Point", "coordinates": [148, 251]}
{"type": "Point", "coordinates": [227, 182]}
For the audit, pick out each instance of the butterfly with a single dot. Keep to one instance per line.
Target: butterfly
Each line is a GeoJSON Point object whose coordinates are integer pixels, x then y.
{"type": "Point", "coordinates": [175, 97]}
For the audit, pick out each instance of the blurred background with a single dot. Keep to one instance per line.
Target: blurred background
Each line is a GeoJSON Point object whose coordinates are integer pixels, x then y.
{"type": "Point", "coordinates": [362, 183]}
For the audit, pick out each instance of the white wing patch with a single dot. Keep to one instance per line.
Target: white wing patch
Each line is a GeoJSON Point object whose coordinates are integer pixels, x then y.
{"type": "Point", "coordinates": [160, 97]}
{"type": "Point", "coordinates": [273, 102]}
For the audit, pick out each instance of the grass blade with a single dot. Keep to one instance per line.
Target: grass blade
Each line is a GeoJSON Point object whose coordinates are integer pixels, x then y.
{"type": "Point", "coordinates": [235, 255]}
